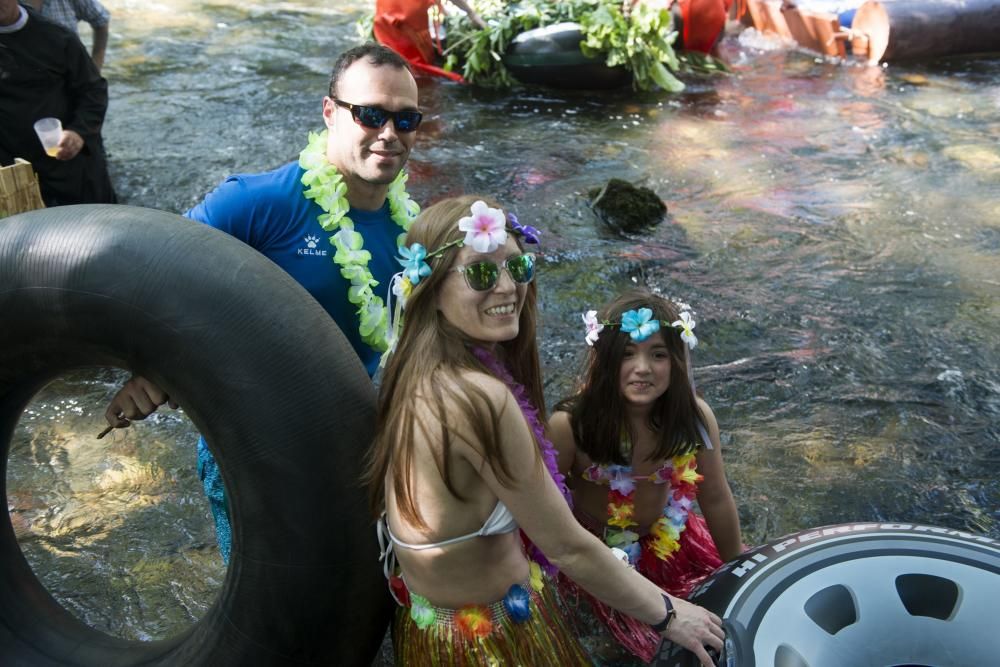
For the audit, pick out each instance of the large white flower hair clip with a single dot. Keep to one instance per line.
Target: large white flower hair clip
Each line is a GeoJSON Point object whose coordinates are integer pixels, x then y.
{"type": "Point", "coordinates": [640, 325]}
{"type": "Point", "coordinates": [485, 230]}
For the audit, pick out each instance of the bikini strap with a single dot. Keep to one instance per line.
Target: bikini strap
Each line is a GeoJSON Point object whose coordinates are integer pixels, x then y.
{"type": "Point", "coordinates": [386, 555]}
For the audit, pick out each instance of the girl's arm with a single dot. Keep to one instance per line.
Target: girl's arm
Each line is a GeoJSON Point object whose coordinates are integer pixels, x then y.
{"type": "Point", "coordinates": [544, 516]}
{"type": "Point", "coordinates": [714, 495]}
{"type": "Point", "coordinates": [561, 432]}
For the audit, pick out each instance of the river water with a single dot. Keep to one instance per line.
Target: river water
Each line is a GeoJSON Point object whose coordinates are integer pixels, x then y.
{"type": "Point", "coordinates": [836, 228]}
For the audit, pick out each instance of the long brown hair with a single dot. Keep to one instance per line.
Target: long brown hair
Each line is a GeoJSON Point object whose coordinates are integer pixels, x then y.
{"type": "Point", "coordinates": [431, 349]}
{"type": "Point", "coordinates": [598, 412]}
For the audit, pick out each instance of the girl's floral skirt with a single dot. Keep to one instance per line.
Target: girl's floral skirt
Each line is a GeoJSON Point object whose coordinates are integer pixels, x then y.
{"type": "Point", "coordinates": [613, 638]}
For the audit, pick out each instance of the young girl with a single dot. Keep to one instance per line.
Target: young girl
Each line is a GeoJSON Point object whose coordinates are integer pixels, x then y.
{"type": "Point", "coordinates": [639, 446]}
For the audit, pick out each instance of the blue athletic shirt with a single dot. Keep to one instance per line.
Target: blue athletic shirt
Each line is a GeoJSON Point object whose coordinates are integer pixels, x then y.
{"type": "Point", "coordinates": [268, 212]}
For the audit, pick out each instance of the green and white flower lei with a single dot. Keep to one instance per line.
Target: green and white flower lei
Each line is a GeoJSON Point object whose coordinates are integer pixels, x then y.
{"type": "Point", "coordinates": [324, 185]}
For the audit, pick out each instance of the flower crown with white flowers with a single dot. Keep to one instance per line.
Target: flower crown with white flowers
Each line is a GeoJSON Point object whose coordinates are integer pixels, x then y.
{"type": "Point", "coordinates": [485, 231]}
{"type": "Point", "coordinates": [640, 325]}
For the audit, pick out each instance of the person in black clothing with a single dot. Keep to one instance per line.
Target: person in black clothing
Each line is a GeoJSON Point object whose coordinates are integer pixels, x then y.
{"type": "Point", "coordinates": [45, 72]}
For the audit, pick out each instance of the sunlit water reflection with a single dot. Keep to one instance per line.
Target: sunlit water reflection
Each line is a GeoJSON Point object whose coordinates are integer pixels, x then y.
{"type": "Point", "coordinates": [836, 227]}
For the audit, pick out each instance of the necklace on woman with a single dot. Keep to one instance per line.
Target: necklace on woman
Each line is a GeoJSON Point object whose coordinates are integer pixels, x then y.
{"type": "Point", "coordinates": [325, 186]}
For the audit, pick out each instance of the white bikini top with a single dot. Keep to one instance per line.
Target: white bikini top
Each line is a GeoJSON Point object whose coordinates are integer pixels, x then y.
{"type": "Point", "coordinates": [499, 522]}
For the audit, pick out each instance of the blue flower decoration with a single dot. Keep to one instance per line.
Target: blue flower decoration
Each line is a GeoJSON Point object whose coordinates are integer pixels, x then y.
{"type": "Point", "coordinates": [517, 602]}
{"type": "Point", "coordinates": [634, 551]}
{"type": "Point", "coordinates": [412, 260]}
{"type": "Point", "coordinates": [527, 232]}
{"type": "Point", "coordinates": [639, 324]}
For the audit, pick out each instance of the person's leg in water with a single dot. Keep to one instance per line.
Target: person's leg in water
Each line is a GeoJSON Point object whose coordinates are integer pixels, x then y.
{"type": "Point", "coordinates": [211, 481]}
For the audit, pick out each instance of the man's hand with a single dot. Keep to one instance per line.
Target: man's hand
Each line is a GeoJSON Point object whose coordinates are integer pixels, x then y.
{"type": "Point", "coordinates": [136, 400]}
{"type": "Point", "coordinates": [694, 627]}
{"type": "Point", "coordinates": [70, 145]}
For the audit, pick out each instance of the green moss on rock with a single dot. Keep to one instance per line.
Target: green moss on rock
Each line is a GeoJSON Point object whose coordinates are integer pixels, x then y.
{"type": "Point", "coordinates": [625, 207]}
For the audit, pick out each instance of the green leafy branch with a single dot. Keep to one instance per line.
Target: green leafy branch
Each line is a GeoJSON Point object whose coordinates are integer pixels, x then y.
{"type": "Point", "coordinates": [642, 42]}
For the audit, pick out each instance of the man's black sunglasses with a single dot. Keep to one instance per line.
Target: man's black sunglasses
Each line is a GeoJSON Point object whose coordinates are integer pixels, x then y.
{"type": "Point", "coordinates": [376, 117]}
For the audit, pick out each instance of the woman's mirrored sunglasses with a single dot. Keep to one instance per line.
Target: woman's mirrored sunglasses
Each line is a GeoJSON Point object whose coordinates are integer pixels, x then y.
{"type": "Point", "coordinates": [485, 275]}
{"type": "Point", "coordinates": [376, 117]}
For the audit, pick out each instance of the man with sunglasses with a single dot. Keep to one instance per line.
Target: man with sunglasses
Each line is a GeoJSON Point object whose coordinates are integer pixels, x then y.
{"type": "Point", "coordinates": [300, 214]}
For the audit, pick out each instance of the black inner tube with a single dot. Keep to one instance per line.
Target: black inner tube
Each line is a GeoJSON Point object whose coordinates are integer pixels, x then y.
{"type": "Point", "coordinates": [263, 372]}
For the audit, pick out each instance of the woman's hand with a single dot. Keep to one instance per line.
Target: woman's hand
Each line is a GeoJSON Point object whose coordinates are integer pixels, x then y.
{"type": "Point", "coordinates": [695, 627]}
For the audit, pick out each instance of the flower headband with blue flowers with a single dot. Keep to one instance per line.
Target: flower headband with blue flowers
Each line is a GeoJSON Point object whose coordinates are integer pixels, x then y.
{"type": "Point", "coordinates": [640, 325]}
{"type": "Point", "coordinates": [485, 231]}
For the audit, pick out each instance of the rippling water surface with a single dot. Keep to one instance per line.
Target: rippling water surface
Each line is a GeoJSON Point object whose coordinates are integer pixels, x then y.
{"type": "Point", "coordinates": [836, 228]}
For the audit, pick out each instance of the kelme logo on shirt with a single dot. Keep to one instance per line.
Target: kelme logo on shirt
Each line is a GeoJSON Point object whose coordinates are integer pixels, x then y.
{"type": "Point", "coordinates": [311, 249]}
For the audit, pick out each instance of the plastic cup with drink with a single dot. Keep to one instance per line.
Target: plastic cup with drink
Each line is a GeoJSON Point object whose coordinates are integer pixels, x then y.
{"type": "Point", "coordinates": [49, 131]}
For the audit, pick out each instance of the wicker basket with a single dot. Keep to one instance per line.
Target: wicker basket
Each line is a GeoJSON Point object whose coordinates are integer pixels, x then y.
{"type": "Point", "coordinates": [19, 189]}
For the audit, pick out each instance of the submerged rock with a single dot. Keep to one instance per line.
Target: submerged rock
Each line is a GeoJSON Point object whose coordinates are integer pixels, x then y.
{"type": "Point", "coordinates": [627, 208]}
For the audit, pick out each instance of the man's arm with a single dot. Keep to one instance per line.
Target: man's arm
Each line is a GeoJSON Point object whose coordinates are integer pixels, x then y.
{"type": "Point", "coordinates": [98, 17]}
{"type": "Point", "coordinates": [87, 90]}
{"type": "Point", "coordinates": [473, 16]}
{"type": "Point", "coordinates": [87, 94]}
{"type": "Point", "coordinates": [100, 45]}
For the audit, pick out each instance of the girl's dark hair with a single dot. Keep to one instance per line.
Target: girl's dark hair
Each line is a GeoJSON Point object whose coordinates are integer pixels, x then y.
{"type": "Point", "coordinates": [598, 412]}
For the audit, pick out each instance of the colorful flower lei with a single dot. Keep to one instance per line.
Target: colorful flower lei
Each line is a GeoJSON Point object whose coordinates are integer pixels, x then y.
{"type": "Point", "coordinates": [474, 620]}
{"type": "Point", "coordinates": [640, 325]}
{"type": "Point", "coordinates": [681, 473]}
{"type": "Point", "coordinates": [325, 186]}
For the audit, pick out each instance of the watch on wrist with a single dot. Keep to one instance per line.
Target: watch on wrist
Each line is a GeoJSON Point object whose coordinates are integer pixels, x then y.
{"type": "Point", "coordinates": [671, 612]}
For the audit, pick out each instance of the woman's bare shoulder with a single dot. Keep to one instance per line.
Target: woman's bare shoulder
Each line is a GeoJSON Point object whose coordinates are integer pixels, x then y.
{"type": "Point", "coordinates": [455, 392]}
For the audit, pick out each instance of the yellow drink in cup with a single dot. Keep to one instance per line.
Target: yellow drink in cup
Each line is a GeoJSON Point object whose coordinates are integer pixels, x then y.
{"type": "Point", "coordinates": [49, 131]}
